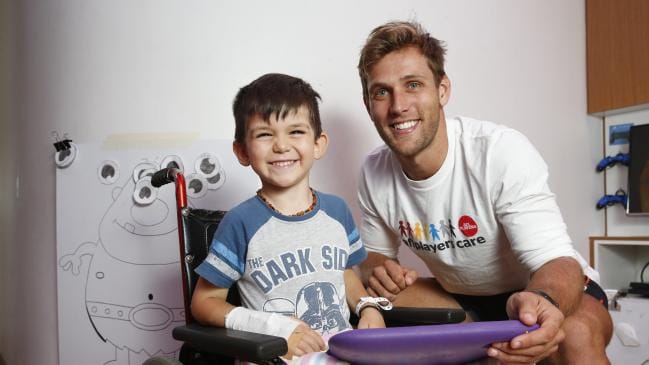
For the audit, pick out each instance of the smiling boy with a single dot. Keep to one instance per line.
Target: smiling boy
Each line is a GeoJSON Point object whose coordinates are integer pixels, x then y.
{"type": "Point", "coordinates": [290, 249]}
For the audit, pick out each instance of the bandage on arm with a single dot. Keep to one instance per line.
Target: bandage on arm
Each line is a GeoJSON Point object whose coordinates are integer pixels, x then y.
{"type": "Point", "coordinates": [249, 320]}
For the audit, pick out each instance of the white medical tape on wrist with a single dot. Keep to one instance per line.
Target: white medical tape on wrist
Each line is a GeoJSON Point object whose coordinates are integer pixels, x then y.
{"type": "Point", "coordinates": [273, 324]}
{"type": "Point", "coordinates": [378, 302]}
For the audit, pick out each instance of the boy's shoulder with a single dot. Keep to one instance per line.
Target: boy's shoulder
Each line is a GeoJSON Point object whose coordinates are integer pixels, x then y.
{"type": "Point", "coordinates": [250, 207]}
{"type": "Point", "coordinates": [244, 219]}
{"type": "Point", "coordinates": [330, 198]}
{"type": "Point", "coordinates": [331, 202]}
{"type": "Point", "coordinates": [246, 205]}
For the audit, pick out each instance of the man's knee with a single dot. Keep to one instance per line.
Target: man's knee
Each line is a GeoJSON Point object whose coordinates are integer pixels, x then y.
{"type": "Point", "coordinates": [590, 323]}
{"type": "Point", "coordinates": [588, 331]}
{"type": "Point", "coordinates": [578, 327]}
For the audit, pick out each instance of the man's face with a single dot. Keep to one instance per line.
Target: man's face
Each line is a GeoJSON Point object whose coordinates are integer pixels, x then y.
{"type": "Point", "coordinates": [404, 101]}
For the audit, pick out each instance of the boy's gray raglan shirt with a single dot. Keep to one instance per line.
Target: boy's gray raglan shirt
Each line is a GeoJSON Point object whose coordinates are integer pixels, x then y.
{"type": "Point", "coordinates": [287, 264]}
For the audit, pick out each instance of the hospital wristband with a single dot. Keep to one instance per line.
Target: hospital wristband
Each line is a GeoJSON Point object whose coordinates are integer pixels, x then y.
{"type": "Point", "coordinates": [378, 303]}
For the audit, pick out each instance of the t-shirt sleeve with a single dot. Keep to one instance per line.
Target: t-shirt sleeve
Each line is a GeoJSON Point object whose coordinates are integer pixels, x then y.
{"type": "Point", "coordinates": [377, 237]}
{"type": "Point", "coordinates": [357, 253]}
{"type": "Point", "coordinates": [524, 204]}
{"type": "Point", "coordinates": [225, 261]}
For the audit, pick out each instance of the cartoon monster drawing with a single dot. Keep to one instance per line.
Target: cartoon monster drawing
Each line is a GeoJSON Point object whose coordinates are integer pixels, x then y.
{"type": "Point", "coordinates": [133, 289]}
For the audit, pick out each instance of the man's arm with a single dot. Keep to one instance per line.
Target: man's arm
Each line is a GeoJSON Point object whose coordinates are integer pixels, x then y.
{"type": "Point", "coordinates": [385, 277]}
{"type": "Point", "coordinates": [562, 281]}
{"type": "Point", "coordinates": [366, 267]}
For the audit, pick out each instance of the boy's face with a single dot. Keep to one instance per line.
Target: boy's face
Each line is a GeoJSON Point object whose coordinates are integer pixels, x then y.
{"type": "Point", "coordinates": [281, 152]}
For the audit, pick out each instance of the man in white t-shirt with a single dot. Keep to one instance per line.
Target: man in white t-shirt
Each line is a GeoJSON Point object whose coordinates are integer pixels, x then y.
{"type": "Point", "coordinates": [471, 199]}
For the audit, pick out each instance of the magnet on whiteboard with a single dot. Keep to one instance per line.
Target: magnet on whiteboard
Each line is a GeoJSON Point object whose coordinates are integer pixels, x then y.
{"type": "Point", "coordinates": [64, 157]}
{"type": "Point", "coordinates": [143, 169]}
{"type": "Point", "coordinates": [172, 161]}
{"type": "Point", "coordinates": [108, 172]}
{"type": "Point", "coordinates": [144, 193]}
{"type": "Point", "coordinates": [196, 185]}
{"type": "Point", "coordinates": [207, 164]}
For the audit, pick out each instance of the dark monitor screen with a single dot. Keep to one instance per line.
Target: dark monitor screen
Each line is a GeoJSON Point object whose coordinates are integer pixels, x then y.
{"type": "Point", "coordinates": [638, 188]}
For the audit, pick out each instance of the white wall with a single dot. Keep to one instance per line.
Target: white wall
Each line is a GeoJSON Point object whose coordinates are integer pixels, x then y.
{"type": "Point", "coordinates": [95, 68]}
{"type": "Point", "coordinates": [8, 175]}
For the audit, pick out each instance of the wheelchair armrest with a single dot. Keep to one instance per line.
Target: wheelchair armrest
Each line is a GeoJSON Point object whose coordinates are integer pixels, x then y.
{"type": "Point", "coordinates": [247, 346]}
{"type": "Point", "coordinates": [410, 316]}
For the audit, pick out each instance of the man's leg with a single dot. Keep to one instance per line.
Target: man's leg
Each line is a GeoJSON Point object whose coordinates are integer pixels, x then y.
{"type": "Point", "coordinates": [588, 331]}
{"type": "Point", "coordinates": [426, 293]}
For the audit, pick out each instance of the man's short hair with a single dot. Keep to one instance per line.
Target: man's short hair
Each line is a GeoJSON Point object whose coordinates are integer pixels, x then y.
{"type": "Point", "coordinates": [397, 35]}
{"type": "Point", "coordinates": [274, 94]}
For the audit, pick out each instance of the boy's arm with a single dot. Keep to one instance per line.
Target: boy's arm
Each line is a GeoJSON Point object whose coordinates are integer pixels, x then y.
{"type": "Point", "coordinates": [370, 317]}
{"type": "Point", "coordinates": [209, 306]}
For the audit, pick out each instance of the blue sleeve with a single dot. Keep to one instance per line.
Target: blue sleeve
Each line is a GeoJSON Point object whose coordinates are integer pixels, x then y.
{"type": "Point", "coordinates": [225, 261]}
{"type": "Point", "coordinates": [357, 253]}
{"type": "Point", "coordinates": [337, 207]}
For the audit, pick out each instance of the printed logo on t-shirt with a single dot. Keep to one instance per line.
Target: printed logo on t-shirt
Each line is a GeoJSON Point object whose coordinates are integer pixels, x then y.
{"type": "Point", "coordinates": [318, 305]}
{"type": "Point", "coordinates": [440, 235]}
{"type": "Point", "coordinates": [270, 273]}
{"type": "Point", "coordinates": [468, 226]}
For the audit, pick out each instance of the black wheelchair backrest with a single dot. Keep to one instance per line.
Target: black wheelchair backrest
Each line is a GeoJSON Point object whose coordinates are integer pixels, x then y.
{"type": "Point", "coordinates": [199, 226]}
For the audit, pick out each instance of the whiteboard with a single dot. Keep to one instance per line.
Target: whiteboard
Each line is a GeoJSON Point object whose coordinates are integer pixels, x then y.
{"type": "Point", "coordinates": [118, 273]}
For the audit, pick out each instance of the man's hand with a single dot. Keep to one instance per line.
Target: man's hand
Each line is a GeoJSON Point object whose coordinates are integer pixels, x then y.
{"type": "Point", "coordinates": [389, 278]}
{"type": "Point", "coordinates": [532, 347]}
{"type": "Point", "coordinates": [371, 318]}
{"type": "Point", "coordinates": [304, 340]}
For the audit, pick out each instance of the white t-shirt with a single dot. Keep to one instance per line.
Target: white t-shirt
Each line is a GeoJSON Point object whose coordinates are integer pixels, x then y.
{"type": "Point", "coordinates": [482, 223]}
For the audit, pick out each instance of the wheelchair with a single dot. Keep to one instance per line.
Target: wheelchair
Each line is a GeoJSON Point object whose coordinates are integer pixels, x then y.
{"type": "Point", "coordinates": [205, 345]}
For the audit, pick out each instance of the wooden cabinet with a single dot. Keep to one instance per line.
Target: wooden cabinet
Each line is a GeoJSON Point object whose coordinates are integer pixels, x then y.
{"type": "Point", "coordinates": [617, 54]}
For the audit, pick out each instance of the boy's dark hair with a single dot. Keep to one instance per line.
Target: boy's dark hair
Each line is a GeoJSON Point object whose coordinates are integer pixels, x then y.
{"type": "Point", "coordinates": [276, 94]}
{"type": "Point", "coordinates": [394, 36]}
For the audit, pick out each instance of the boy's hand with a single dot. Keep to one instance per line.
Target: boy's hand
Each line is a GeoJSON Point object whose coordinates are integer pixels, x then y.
{"type": "Point", "coordinates": [371, 318]}
{"type": "Point", "coordinates": [304, 340]}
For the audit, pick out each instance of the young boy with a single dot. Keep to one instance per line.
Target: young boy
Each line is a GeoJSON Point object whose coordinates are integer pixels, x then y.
{"type": "Point", "coordinates": [289, 249]}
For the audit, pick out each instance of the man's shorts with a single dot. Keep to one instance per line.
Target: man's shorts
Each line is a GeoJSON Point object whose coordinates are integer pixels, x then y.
{"type": "Point", "coordinates": [492, 307]}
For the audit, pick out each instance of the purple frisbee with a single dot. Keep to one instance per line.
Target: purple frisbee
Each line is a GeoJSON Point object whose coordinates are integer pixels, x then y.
{"type": "Point", "coordinates": [433, 344]}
